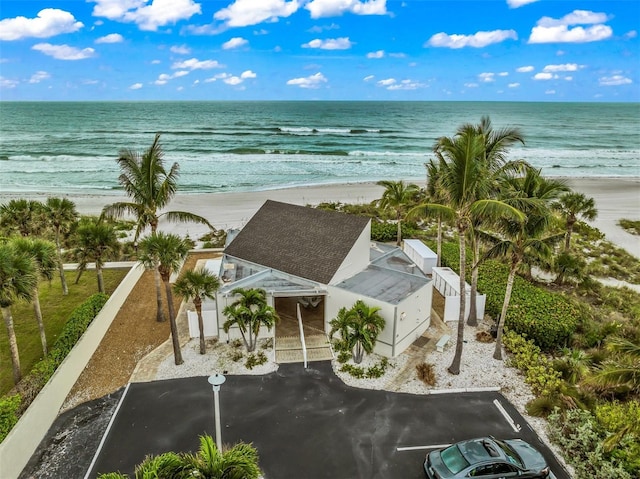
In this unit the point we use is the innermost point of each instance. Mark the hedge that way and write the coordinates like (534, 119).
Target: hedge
(12, 406)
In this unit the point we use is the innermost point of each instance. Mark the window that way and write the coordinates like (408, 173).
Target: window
(453, 459)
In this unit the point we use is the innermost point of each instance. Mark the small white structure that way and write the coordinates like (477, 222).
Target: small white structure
(447, 282)
(420, 254)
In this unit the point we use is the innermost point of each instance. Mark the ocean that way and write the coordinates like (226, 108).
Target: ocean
(71, 147)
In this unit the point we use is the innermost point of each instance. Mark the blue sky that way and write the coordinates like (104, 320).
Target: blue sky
(473, 50)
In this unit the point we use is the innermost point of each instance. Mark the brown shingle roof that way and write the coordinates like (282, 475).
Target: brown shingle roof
(298, 240)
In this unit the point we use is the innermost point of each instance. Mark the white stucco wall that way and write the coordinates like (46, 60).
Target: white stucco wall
(357, 259)
(415, 320)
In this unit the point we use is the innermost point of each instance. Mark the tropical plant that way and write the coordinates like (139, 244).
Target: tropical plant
(22, 216)
(60, 214)
(397, 196)
(468, 182)
(436, 194)
(568, 265)
(96, 242)
(518, 240)
(620, 373)
(166, 253)
(573, 206)
(359, 328)
(249, 312)
(18, 278)
(198, 285)
(151, 188)
(44, 254)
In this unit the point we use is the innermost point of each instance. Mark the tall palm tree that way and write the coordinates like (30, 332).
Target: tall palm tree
(18, 277)
(516, 241)
(166, 252)
(198, 286)
(151, 188)
(573, 206)
(22, 216)
(96, 242)
(436, 194)
(44, 254)
(469, 183)
(398, 196)
(60, 214)
(249, 312)
(359, 328)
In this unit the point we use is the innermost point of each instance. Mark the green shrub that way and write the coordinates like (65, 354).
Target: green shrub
(254, 360)
(236, 355)
(9, 407)
(344, 356)
(373, 372)
(581, 439)
(621, 421)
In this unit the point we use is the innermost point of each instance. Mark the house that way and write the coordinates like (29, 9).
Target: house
(312, 263)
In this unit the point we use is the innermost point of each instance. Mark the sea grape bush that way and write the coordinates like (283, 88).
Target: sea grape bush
(9, 407)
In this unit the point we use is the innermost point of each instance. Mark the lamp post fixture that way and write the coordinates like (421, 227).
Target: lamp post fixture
(216, 381)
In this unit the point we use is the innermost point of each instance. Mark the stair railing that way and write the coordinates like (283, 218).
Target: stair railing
(304, 344)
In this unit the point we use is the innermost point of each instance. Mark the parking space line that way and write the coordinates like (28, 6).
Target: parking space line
(415, 448)
(514, 426)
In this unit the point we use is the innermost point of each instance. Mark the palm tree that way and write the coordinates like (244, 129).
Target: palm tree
(436, 194)
(239, 461)
(359, 328)
(96, 242)
(469, 184)
(517, 240)
(397, 195)
(166, 253)
(621, 372)
(60, 214)
(44, 254)
(151, 188)
(22, 216)
(249, 312)
(573, 206)
(198, 285)
(18, 277)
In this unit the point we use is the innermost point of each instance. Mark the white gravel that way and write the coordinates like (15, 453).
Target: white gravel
(478, 371)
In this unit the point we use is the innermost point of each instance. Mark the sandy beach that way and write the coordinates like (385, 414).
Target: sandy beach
(616, 198)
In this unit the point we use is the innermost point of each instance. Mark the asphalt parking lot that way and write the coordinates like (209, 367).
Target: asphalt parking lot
(306, 424)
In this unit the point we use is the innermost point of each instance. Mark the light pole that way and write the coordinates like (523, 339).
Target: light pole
(216, 381)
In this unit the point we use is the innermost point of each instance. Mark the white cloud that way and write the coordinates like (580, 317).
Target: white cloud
(503, 74)
(551, 30)
(513, 85)
(111, 38)
(235, 42)
(322, 28)
(6, 83)
(242, 13)
(180, 49)
(180, 73)
(550, 92)
(48, 23)
(471, 85)
(519, 3)
(630, 34)
(387, 82)
(219, 76)
(135, 86)
(155, 62)
(232, 80)
(334, 8)
(545, 76)
(525, 69)
(368, 78)
(148, 16)
(477, 40)
(64, 52)
(487, 77)
(195, 64)
(378, 54)
(568, 78)
(342, 43)
(313, 81)
(248, 74)
(39, 76)
(614, 80)
(567, 67)
(163, 78)
(406, 85)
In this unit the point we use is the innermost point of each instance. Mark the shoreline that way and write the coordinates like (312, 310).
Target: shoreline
(616, 198)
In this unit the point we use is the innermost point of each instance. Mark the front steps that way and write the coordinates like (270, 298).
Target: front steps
(289, 349)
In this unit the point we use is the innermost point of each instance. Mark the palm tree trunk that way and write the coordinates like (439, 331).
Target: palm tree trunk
(197, 302)
(100, 279)
(38, 313)
(160, 317)
(177, 353)
(63, 279)
(359, 353)
(457, 358)
(439, 242)
(13, 344)
(399, 234)
(567, 236)
(497, 354)
(473, 311)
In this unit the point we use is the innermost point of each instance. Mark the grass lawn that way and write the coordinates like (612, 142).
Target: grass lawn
(56, 309)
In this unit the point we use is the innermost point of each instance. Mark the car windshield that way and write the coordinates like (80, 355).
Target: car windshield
(453, 459)
(512, 455)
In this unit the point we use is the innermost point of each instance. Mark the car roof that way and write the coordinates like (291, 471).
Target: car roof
(481, 450)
